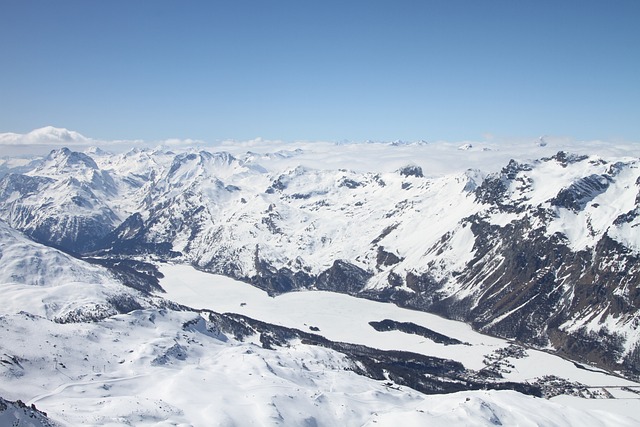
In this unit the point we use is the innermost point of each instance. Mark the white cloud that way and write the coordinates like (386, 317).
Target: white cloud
(47, 135)
(435, 158)
(53, 137)
(42, 140)
(57, 137)
(176, 142)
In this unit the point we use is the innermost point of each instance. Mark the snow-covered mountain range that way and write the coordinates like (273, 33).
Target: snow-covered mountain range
(541, 249)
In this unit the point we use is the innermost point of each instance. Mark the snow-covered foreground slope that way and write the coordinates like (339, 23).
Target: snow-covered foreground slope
(46, 282)
(169, 368)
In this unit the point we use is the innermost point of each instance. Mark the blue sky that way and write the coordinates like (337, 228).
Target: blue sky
(322, 70)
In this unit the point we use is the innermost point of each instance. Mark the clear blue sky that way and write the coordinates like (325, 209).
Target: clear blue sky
(328, 70)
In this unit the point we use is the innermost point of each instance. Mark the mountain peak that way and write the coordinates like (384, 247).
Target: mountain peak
(64, 157)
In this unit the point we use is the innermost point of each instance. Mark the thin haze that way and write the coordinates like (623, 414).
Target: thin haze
(322, 70)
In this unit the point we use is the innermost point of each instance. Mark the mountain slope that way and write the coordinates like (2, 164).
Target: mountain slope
(52, 284)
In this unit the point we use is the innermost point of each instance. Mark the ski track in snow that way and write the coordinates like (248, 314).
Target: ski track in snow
(94, 381)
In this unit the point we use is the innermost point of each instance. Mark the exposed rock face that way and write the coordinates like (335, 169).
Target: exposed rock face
(580, 193)
(278, 281)
(343, 277)
(411, 170)
(17, 413)
(540, 286)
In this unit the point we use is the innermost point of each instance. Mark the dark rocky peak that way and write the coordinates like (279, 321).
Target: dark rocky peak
(350, 179)
(513, 168)
(494, 188)
(130, 238)
(344, 277)
(349, 183)
(411, 170)
(628, 217)
(616, 168)
(131, 227)
(491, 191)
(565, 159)
(278, 184)
(577, 195)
